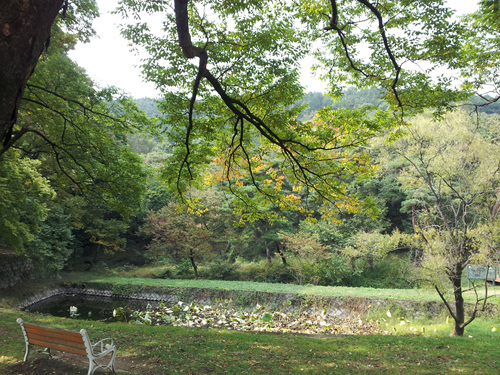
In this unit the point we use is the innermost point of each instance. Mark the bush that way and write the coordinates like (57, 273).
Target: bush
(184, 269)
(220, 270)
(167, 273)
(250, 271)
(279, 274)
(158, 270)
(262, 271)
(391, 272)
(335, 271)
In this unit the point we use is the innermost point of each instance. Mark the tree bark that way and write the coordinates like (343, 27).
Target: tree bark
(24, 32)
(193, 263)
(268, 256)
(456, 279)
(281, 254)
(369, 258)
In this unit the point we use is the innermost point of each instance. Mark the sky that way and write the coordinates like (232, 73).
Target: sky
(109, 61)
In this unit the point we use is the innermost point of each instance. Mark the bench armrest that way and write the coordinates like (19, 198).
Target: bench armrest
(103, 346)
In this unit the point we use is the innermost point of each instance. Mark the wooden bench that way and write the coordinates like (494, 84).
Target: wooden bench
(69, 341)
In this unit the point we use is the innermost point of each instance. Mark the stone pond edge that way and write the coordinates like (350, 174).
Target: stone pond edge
(341, 306)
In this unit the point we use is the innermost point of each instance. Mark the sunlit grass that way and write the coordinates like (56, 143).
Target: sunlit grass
(7, 360)
(143, 272)
(338, 291)
(176, 350)
(437, 326)
(329, 291)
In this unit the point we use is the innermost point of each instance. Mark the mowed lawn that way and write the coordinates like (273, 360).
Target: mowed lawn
(174, 350)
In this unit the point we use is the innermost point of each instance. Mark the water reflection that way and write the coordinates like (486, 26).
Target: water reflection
(89, 307)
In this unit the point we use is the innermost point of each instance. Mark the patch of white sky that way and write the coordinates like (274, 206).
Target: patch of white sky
(109, 60)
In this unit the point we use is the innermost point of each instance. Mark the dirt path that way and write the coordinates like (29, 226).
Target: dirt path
(66, 363)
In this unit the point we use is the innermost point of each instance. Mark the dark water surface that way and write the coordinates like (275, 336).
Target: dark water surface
(88, 307)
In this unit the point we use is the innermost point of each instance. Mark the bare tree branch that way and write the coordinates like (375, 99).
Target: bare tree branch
(334, 25)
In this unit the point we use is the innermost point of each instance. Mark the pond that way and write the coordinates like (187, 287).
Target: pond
(89, 307)
(221, 315)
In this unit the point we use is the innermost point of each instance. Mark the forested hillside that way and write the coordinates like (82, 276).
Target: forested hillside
(350, 99)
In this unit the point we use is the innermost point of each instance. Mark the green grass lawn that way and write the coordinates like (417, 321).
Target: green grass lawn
(328, 291)
(175, 350)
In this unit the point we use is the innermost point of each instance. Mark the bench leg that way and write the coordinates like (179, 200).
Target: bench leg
(93, 365)
(47, 351)
(28, 352)
(112, 362)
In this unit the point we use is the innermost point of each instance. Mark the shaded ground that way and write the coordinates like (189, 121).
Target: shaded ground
(67, 363)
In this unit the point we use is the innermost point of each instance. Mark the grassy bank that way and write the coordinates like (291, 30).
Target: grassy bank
(429, 295)
(327, 291)
(364, 302)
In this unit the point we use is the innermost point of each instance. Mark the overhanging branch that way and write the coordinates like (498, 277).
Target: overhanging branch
(243, 113)
(334, 25)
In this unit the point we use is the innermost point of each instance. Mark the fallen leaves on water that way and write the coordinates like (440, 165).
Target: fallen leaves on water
(257, 319)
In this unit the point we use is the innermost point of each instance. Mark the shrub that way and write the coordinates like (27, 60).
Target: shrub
(219, 270)
(335, 271)
(184, 269)
(391, 272)
(328, 272)
(279, 274)
(250, 271)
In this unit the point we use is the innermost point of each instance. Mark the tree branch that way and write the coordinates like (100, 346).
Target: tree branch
(453, 315)
(240, 109)
(333, 25)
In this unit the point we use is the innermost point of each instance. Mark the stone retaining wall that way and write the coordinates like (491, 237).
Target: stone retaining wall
(338, 306)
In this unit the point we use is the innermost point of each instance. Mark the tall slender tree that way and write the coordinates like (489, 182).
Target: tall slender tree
(453, 178)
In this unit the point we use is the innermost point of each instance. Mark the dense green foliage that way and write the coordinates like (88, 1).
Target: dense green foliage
(70, 181)
(24, 196)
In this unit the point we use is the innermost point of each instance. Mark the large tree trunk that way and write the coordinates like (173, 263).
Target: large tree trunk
(24, 33)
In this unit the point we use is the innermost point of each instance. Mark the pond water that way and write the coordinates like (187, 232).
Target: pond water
(88, 307)
(220, 315)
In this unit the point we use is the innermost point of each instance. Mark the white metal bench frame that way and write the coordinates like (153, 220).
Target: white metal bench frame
(94, 352)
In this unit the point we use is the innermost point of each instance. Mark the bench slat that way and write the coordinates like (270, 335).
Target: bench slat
(34, 327)
(56, 340)
(56, 334)
(64, 348)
